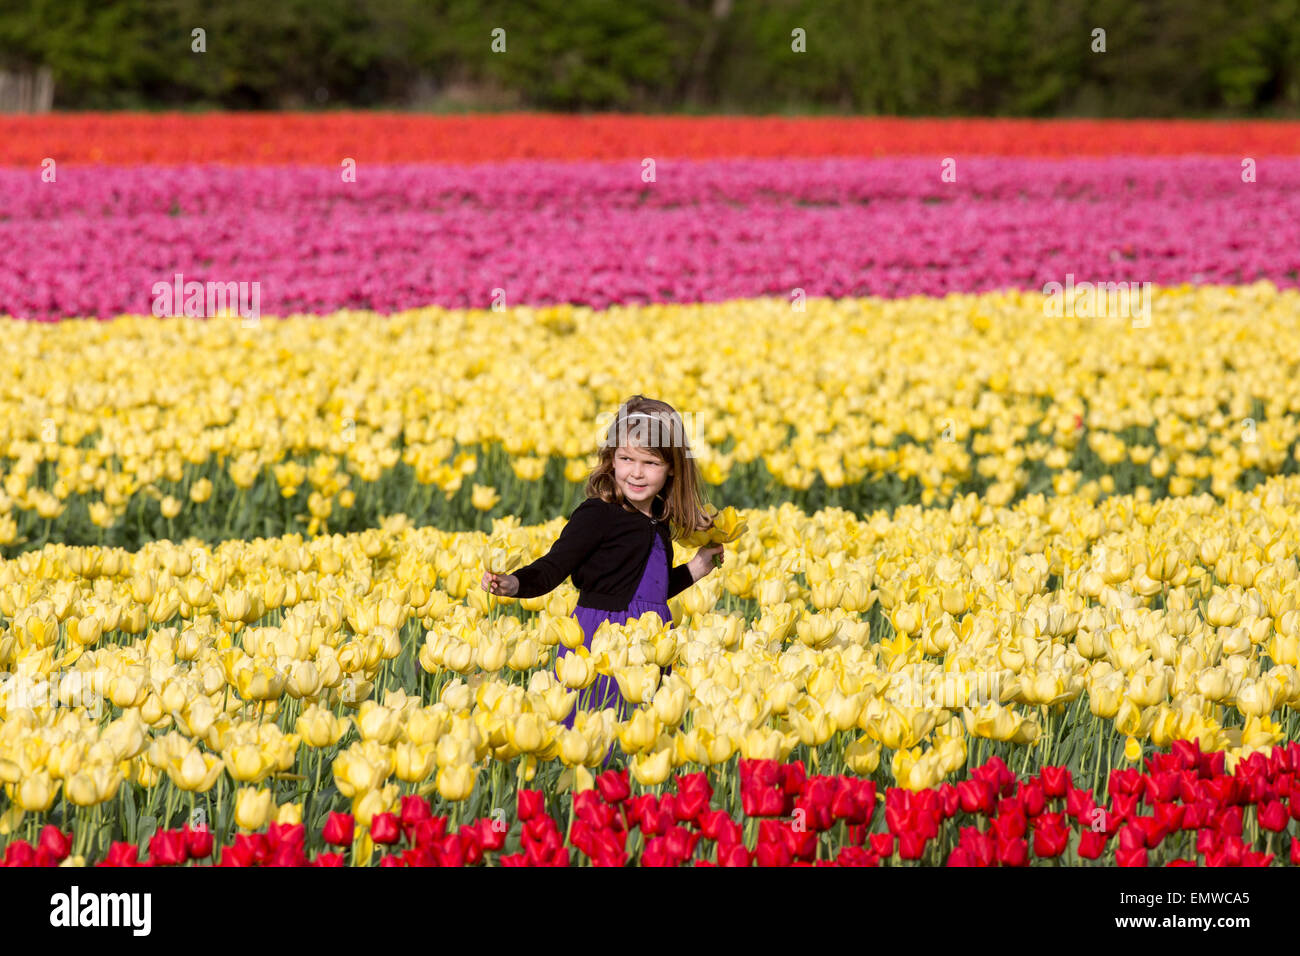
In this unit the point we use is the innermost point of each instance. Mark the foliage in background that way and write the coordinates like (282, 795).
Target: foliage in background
(925, 57)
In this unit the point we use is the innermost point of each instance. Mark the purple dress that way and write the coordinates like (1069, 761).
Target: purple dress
(651, 595)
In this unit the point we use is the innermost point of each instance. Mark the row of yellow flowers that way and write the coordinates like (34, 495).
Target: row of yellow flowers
(944, 393)
(904, 647)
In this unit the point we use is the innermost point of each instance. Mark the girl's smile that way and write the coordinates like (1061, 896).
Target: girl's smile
(639, 475)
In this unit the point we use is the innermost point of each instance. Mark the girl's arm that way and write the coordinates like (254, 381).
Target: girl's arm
(577, 539)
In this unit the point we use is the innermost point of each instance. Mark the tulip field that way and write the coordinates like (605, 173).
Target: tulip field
(1004, 584)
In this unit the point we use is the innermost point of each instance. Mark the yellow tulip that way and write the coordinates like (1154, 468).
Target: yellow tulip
(652, 769)
(36, 792)
(319, 727)
(575, 671)
(252, 808)
(456, 783)
(414, 762)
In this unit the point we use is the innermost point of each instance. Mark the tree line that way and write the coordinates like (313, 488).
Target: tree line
(1150, 58)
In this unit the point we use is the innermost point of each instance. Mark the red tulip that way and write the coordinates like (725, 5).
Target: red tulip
(530, 803)
(1273, 815)
(168, 848)
(418, 856)
(1187, 753)
(691, 804)
(996, 772)
(1051, 840)
(1211, 764)
(1153, 831)
(927, 803)
(976, 796)
(1222, 790)
(328, 859)
(22, 853)
(882, 844)
(539, 829)
(288, 853)
(1056, 781)
(772, 854)
(733, 854)
(1080, 804)
(1123, 806)
(1032, 797)
(1163, 787)
(1228, 821)
(1181, 862)
(1126, 781)
(428, 832)
(856, 856)
(1170, 816)
(1091, 844)
(1009, 826)
(898, 820)
(949, 799)
(491, 833)
(1208, 841)
(759, 773)
(339, 829)
(1295, 850)
(255, 846)
(711, 823)
(451, 851)
(680, 842)
(1191, 790)
(607, 853)
(793, 777)
(767, 802)
(122, 854)
(198, 841)
(983, 847)
(1133, 857)
(391, 860)
(295, 833)
(911, 845)
(414, 809)
(694, 783)
(54, 842)
(636, 807)
(613, 786)
(1014, 852)
(384, 828)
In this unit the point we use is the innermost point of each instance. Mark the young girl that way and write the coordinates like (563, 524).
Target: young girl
(644, 492)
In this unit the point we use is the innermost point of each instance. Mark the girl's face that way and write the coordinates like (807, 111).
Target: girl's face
(639, 474)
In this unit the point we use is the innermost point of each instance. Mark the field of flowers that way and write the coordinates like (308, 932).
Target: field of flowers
(1011, 587)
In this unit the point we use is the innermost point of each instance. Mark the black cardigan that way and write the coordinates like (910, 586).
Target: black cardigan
(605, 547)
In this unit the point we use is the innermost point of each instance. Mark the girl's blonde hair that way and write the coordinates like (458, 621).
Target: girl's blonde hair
(662, 434)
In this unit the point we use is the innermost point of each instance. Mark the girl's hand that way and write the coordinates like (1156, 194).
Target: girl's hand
(704, 560)
(502, 585)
